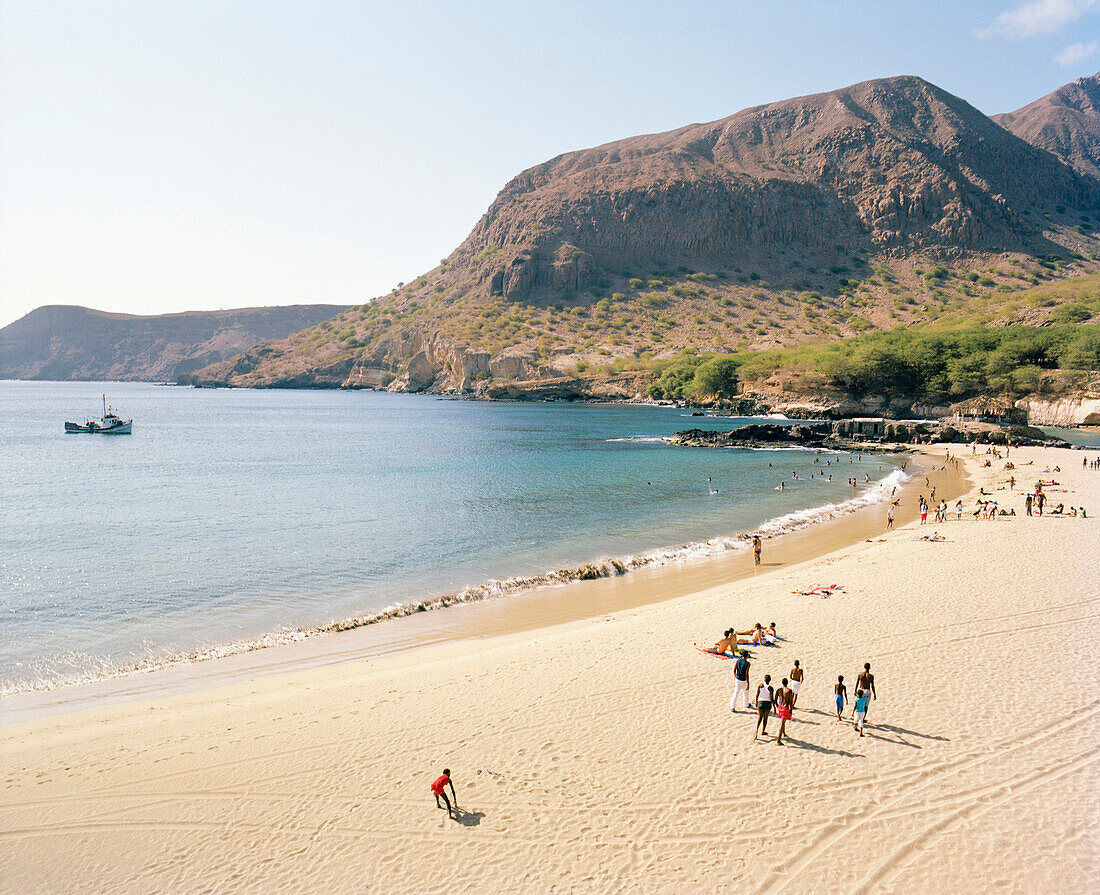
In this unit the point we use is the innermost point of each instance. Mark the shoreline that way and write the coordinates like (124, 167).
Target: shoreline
(317, 779)
(606, 586)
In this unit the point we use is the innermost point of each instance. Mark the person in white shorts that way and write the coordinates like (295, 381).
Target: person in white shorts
(859, 716)
(796, 681)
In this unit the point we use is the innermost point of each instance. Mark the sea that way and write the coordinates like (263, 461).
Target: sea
(232, 519)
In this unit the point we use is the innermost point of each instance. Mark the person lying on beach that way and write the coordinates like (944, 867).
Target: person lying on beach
(439, 791)
(820, 590)
(935, 536)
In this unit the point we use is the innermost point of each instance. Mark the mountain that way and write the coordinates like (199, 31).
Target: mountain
(888, 202)
(69, 342)
(1065, 122)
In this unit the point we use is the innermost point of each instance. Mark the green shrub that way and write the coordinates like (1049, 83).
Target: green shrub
(1071, 314)
(716, 377)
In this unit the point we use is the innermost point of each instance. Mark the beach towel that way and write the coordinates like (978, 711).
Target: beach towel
(711, 651)
(822, 591)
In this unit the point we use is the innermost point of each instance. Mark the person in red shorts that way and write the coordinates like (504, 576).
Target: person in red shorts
(439, 789)
(784, 703)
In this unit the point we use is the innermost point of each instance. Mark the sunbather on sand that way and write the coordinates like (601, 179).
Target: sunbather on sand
(728, 644)
(819, 591)
(755, 634)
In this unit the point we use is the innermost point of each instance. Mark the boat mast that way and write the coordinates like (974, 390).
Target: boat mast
(104, 404)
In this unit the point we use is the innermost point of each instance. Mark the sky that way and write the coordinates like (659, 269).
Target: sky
(168, 156)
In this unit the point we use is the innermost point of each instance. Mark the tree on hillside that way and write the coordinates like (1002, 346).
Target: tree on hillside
(717, 378)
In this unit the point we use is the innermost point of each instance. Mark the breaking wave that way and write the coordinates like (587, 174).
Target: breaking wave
(101, 668)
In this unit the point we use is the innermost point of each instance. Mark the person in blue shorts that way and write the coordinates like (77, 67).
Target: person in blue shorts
(841, 695)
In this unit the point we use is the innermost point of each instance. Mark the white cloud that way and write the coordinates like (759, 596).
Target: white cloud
(1074, 53)
(1036, 17)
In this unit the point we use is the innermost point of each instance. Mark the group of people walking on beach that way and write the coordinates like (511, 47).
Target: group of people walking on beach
(782, 699)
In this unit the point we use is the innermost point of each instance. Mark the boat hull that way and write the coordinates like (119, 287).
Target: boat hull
(95, 428)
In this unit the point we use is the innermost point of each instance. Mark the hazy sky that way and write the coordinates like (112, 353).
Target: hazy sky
(159, 156)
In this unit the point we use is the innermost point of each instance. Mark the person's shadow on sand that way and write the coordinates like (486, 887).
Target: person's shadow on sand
(904, 732)
(467, 818)
(813, 747)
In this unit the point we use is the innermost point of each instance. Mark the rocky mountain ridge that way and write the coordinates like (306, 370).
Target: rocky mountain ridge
(887, 203)
(63, 342)
(1065, 122)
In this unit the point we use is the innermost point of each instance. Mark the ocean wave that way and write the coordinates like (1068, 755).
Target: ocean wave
(880, 491)
(100, 668)
(642, 439)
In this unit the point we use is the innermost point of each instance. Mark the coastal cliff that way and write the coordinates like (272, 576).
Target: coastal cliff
(1066, 412)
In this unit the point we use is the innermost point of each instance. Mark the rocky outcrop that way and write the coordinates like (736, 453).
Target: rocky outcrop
(1065, 122)
(1067, 412)
(63, 342)
(865, 434)
(827, 403)
(613, 387)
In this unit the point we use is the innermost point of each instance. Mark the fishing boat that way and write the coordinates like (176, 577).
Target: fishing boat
(108, 424)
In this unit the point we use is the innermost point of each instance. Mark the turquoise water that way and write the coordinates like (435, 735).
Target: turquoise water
(1087, 438)
(229, 515)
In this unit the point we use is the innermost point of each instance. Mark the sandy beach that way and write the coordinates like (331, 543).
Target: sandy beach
(599, 754)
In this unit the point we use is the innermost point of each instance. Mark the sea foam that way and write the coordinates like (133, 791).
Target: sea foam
(100, 668)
